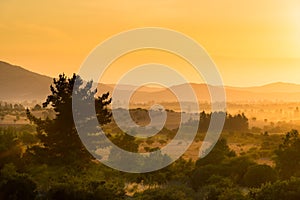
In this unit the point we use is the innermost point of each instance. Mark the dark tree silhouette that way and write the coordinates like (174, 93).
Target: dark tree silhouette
(257, 175)
(60, 142)
(219, 152)
(287, 156)
(37, 107)
(237, 122)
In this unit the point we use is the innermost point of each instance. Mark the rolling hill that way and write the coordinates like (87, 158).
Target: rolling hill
(19, 84)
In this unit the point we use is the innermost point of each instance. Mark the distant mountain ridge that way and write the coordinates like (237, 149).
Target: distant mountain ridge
(272, 88)
(263, 93)
(19, 84)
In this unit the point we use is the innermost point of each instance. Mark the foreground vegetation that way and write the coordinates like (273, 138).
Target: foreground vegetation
(46, 160)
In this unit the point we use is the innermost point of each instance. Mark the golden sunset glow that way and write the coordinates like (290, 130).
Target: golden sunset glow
(252, 42)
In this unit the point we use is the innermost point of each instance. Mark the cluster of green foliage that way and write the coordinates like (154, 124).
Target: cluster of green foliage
(52, 163)
(288, 159)
(54, 133)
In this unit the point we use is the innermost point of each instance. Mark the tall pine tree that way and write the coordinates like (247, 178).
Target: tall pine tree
(59, 140)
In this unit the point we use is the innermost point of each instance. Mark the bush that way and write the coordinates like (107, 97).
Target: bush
(14, 185)
(218, 187)
(259, 174)
(287, 190)
(287, 156)
(91, 190)
(174, 192)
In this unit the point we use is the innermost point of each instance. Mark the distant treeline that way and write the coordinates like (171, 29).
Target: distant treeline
(238, 122)
(4, 106)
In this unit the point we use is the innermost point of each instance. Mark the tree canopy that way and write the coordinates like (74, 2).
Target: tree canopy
(59, 139)
(287, 156)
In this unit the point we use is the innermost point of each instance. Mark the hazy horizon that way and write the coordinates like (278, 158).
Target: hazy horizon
(154, 85)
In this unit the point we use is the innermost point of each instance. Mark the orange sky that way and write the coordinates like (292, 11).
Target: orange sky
(252, 42)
